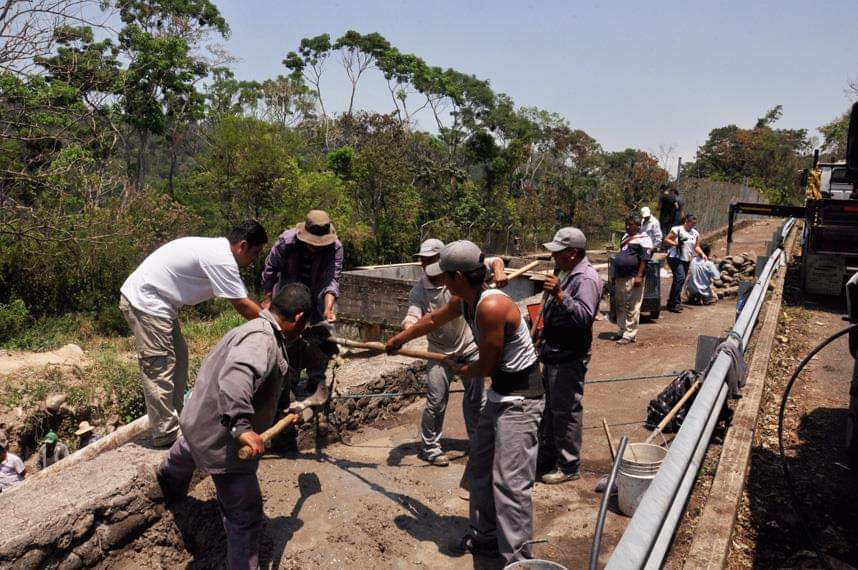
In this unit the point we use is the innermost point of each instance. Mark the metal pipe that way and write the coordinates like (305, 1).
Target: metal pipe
(603, 507)
(645, 542)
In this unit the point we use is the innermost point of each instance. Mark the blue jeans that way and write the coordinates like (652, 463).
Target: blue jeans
(680, 271)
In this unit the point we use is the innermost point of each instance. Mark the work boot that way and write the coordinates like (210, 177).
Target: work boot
(439, 460)
(470, 545)
(557, 476)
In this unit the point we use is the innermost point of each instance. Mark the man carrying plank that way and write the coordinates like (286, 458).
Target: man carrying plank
(503, 460)
(234, 400)
(454, 340)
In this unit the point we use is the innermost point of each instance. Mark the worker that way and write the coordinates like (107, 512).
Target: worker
(86, 434)
(51, 451)
(671, 208)
(186, 271)
(651, 227)
(682, 242)
(454, 339)
(701, 272)
(630, 277)
(503, 461)
(309, 253)
(12, 470)
(565, 341)
(233, 402)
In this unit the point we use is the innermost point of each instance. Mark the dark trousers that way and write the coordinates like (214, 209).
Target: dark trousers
(238, 497)
(303, 356)
(563, 421)
(680, 271)
(503, 470)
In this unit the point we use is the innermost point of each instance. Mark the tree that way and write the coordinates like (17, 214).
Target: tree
(358, 53)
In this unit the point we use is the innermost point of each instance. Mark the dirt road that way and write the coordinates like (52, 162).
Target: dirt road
(371, 503)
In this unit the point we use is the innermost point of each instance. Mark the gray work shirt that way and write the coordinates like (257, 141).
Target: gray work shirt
(239, 384)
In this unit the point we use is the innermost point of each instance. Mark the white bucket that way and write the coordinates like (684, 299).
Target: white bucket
(534, 564)
(638, 467)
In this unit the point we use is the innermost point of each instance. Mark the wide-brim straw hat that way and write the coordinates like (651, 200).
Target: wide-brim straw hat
(84, 428)
(317, 229)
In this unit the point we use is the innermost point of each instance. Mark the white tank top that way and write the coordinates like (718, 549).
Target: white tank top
(518, 352)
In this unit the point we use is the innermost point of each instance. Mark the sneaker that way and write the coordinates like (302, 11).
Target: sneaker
(675, 309)
(470, 545)
(625, 341)
(558, 476)
(439, 460)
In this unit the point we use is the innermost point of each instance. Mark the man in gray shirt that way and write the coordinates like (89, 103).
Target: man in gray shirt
(453, 339)
(234, 400)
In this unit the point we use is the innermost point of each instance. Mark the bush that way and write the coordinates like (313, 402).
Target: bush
(14, 317)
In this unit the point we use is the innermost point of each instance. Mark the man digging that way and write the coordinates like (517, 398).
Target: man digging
(503, 460)
(233, 402)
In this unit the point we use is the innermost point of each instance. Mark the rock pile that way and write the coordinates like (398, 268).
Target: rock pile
(734, 269)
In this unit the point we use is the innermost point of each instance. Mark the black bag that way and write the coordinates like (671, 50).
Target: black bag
(661, 405)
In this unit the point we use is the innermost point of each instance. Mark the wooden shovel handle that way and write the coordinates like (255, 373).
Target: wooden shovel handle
(675, 410)
(379, 347)
(284, 422)
(518, 272)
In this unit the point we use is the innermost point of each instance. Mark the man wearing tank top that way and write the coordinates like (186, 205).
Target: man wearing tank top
(567, 335)
(503, 459)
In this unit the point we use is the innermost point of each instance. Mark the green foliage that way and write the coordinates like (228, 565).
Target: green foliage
(13, 319)
(835, 134)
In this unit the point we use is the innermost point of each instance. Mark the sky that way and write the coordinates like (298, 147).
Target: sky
(656, 75)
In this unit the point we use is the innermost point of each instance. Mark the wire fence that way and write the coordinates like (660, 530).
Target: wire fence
(710, 200)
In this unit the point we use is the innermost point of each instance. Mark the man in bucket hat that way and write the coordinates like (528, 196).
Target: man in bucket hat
(309, 253)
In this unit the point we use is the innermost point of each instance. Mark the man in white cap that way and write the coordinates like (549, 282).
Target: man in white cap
(503, 459)
(651, 227)
(453, 339)
(310, 253)
(567, 336)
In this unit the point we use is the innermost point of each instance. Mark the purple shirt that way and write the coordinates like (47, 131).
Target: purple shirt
(290, 261)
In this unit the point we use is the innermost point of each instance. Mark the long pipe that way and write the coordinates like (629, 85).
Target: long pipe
(603, 507)
(645, 541)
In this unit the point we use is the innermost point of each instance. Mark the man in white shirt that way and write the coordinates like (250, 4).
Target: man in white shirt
(186, 271)
(700, 276)
(12, 469)
(453, 339)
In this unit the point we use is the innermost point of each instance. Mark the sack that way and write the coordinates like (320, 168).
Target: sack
(661, 405)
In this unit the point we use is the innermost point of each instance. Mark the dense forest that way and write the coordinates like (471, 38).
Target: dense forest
(121, 127)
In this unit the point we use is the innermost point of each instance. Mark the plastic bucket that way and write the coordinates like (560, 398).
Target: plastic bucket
(535, 564)
(638, 467)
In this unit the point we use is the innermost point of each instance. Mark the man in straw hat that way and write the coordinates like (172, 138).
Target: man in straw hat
(86, 434)
(309, 253)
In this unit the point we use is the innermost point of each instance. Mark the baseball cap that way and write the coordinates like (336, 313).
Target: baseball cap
(645, 212)
(51, 437)
(566, 238)
(430, 248)
(461, 255)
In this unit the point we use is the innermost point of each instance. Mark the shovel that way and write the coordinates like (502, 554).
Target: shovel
(379, 347)
(302, 410)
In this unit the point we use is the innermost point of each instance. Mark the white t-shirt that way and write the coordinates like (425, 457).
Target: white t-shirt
(690, 242)
(11, 469)
(182, 272)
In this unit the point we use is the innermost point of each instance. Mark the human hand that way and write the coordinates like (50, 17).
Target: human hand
(393, 345)
(638, 280)
(552, 286)
(253, 442)
(330, 315)
(454, 364)
(500, 278)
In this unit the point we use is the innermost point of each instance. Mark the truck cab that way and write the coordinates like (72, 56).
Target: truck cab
(835, 182)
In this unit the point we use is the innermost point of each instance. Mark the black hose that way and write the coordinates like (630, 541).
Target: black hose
(797, 504)
(603, 508)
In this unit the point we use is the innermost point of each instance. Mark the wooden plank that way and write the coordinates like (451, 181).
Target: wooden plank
(714, 529)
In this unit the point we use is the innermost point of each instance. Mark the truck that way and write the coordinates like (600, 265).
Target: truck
(829, 240)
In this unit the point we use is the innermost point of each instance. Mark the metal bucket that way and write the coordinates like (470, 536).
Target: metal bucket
(535, 564)
(638, 467)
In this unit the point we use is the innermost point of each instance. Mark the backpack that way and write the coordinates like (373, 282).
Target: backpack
(661, 405)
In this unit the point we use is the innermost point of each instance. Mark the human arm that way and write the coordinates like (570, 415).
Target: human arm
(496, 266)
(581, 303)
(39, 463)
(247, 307)
(639, 276)
(671, 239)
(247, 363)
(331, 280)
(699, 251)
(275, 264)
(426, 324)
(329, 313)
(415, 307)
(492, 316)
